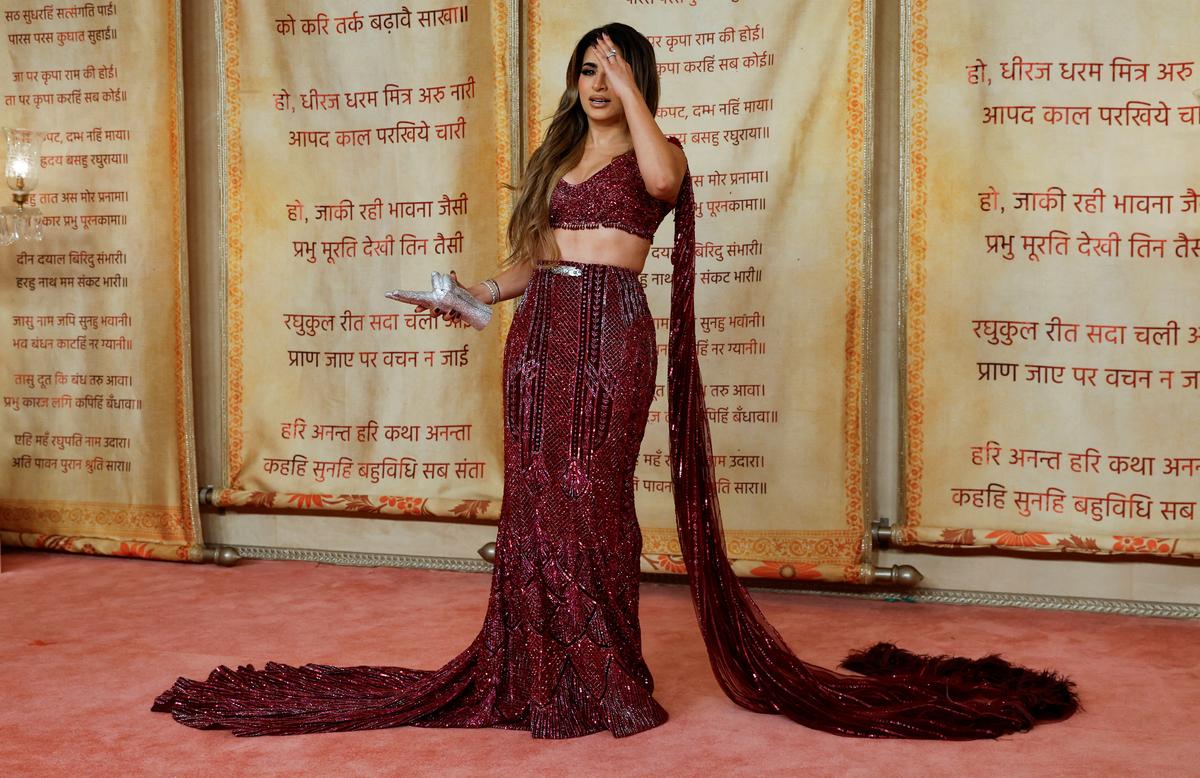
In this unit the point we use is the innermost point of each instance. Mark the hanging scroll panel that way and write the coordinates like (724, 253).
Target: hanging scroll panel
(775, 135)
(366, 143)
(96, 455)
(1052, 383)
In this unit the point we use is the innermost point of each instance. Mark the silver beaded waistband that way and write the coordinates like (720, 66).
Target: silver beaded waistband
(565, 270)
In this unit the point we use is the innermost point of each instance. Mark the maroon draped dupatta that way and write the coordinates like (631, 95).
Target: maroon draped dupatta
(899, 694)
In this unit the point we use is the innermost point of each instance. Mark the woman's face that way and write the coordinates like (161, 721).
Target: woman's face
(595, 94)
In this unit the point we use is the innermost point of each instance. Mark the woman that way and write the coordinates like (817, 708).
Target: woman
(559, 653)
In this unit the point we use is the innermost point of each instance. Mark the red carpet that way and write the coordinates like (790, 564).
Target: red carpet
(87, 642)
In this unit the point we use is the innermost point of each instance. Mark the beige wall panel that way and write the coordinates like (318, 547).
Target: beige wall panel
(1052, 392)
(344, 180)
(778, 160)
(97, 452)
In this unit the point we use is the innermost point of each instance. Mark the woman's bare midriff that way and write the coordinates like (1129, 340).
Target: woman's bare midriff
(603, 246)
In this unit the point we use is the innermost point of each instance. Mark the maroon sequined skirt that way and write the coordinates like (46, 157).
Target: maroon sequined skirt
(559, 653)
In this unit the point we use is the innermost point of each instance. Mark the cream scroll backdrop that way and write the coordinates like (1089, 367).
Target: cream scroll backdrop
(1053, 250)
(366, 143)
(775, 135)
(96, 451)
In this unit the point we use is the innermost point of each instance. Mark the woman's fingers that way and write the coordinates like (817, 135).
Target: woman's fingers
(615, 68)
(609, 47)
(438, 313)
(599, 55)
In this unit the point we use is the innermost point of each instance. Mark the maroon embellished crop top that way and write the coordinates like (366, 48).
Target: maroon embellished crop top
(615, 196)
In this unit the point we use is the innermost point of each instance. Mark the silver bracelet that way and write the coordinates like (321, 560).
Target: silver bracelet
(493, 289)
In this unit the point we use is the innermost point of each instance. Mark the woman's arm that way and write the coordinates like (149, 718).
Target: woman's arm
(512, 282)
(661, 163)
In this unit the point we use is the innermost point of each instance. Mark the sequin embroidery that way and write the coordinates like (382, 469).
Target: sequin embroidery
(614, 196)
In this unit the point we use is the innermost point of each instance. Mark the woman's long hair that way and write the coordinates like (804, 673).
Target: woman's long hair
(529, 235)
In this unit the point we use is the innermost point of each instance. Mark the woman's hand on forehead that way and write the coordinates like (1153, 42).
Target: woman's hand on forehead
(616, 69)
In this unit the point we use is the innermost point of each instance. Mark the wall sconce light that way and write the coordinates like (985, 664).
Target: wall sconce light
(22, 165)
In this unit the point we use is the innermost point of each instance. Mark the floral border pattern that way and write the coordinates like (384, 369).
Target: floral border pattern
(1048, 542)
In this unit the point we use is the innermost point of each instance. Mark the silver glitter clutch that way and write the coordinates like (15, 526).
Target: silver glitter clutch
(447, 295)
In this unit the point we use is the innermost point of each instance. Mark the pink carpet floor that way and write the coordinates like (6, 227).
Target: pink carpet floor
(87, 642)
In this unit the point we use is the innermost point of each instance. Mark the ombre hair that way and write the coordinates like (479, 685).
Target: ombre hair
(529, 235)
